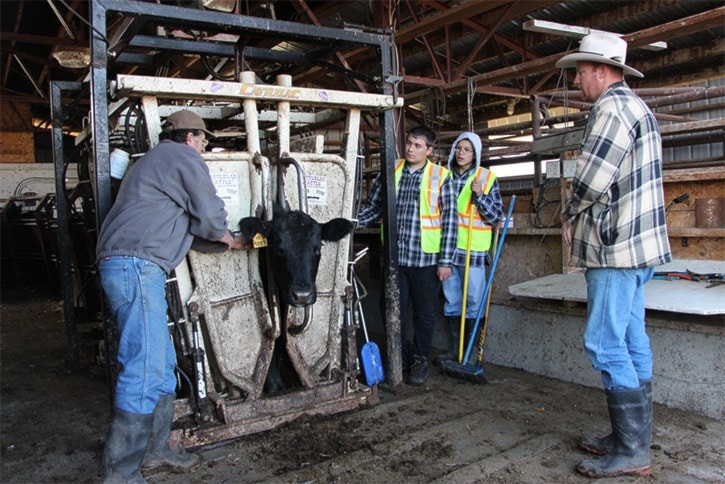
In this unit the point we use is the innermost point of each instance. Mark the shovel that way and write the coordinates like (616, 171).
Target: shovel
(370, 353)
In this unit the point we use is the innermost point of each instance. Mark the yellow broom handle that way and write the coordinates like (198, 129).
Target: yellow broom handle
(462, 332)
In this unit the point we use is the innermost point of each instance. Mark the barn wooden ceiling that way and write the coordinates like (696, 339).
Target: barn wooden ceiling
(458, 60)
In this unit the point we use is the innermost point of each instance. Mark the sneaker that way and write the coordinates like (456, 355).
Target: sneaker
(419, 370)
(450, 355)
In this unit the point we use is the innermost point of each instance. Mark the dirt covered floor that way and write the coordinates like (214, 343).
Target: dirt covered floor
(518, 428)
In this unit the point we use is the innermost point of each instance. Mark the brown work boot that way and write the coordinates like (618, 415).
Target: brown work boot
(419, 370)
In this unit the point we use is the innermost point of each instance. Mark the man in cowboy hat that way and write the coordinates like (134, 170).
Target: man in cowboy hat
(614, 222)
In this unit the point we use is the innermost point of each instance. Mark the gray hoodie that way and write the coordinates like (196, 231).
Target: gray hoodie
(475, 141)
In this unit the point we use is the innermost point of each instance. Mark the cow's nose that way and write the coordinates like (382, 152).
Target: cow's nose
(302, 297)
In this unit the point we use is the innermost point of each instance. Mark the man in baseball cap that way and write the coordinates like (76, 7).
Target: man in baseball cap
(185, 119)
(166, 200)
(614, 223)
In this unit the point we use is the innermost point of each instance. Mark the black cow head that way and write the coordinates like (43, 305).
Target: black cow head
(294, 240)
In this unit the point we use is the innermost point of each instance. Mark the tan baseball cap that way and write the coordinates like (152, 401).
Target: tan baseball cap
(185, 119)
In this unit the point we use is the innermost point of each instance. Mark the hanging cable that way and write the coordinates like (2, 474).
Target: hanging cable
(434, 107)
(471, 85)
(76, 14)
(562, 81)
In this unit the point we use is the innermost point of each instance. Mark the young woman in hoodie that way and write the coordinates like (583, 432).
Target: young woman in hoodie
(476, 189)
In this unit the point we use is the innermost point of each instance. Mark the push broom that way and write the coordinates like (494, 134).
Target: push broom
(462, 369)
(466, 271)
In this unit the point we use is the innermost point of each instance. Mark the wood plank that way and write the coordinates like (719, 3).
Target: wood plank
(693, 126)
(17, 147)
(695, 232)
(699, 174)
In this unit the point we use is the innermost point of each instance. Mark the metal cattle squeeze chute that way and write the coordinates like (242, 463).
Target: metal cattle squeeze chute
(230, 327)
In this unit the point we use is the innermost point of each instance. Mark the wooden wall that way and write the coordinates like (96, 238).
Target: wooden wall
(688, 238)
(17, 143)
(534, 245)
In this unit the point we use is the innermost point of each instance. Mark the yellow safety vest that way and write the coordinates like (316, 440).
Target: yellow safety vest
(430, 214)
(481, 232)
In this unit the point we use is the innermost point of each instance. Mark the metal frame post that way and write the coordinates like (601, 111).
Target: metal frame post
(61, 203)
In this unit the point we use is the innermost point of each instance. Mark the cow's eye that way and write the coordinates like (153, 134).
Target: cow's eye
(318, 251)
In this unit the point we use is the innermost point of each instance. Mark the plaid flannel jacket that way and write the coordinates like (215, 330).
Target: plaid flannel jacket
(617, 205)
(410, 253)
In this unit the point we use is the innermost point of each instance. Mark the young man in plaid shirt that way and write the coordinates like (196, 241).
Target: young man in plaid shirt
(427, 229)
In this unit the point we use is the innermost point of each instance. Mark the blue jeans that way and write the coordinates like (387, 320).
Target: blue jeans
(615, 338)
(453, 291)
(136, 296)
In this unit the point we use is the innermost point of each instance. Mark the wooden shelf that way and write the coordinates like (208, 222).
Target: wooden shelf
(694, 232)
(690, 175)
(534, 231)
(671, 231)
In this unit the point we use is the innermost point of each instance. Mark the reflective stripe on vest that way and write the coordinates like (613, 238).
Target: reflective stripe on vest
(481, 240)
(430, 214)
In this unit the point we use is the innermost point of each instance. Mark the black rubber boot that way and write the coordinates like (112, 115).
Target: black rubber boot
(470, 323)
(454, 325)
(126, 446)
(274, 383)
(159, 456)
(603, 445)
(630, 412)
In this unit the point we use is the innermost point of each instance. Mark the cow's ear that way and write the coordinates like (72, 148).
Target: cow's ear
(251, 226)
(336, 229)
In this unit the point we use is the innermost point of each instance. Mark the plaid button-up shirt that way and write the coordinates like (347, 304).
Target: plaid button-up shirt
(490, 206)
(410, 253)
(617, 205)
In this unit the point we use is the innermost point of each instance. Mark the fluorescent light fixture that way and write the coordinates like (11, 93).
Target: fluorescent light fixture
(73, 59)
(546, 27)
(220, 5)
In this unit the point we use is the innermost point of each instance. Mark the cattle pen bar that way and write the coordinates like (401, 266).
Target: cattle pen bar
(212, 90)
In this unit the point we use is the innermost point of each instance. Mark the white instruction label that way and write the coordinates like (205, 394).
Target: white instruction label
(227, 186)
(316, 189)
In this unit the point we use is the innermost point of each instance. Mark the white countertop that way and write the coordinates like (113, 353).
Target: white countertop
(679, 296)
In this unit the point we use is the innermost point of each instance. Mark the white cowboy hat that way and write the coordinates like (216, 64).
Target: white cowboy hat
(601, 47)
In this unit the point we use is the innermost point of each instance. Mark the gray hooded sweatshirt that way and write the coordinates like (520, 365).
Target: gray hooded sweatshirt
(476, 142)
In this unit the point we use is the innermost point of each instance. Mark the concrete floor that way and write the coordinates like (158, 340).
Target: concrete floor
(518, 428)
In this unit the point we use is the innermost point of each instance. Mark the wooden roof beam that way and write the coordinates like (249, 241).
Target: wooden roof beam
(449, 16)
(482, 41)
(684, 26)
(431, 51)
(714, 18)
